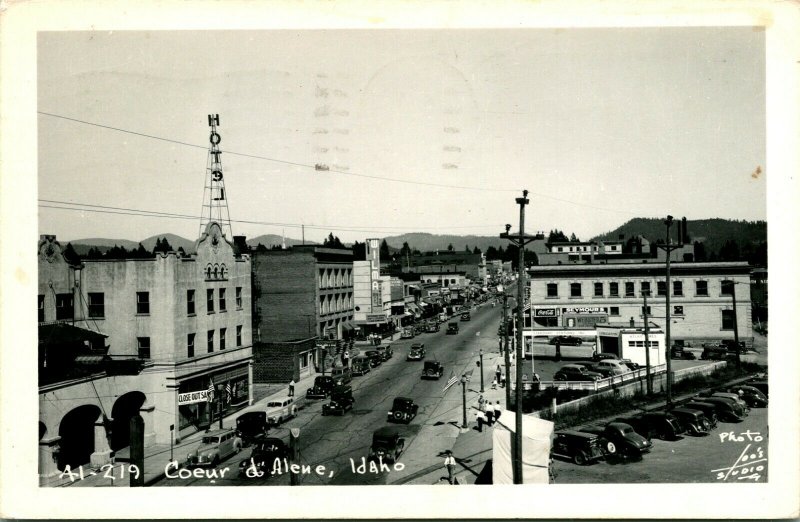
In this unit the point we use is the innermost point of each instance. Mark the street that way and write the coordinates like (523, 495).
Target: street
(340, 443)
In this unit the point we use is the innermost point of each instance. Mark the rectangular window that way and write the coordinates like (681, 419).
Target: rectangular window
(598, 289)
(210, 300)
(726, 287)
(41, 308)
(64, 307)
(144, 347)
(552, 289)
(222, 300)
(613, 289)
(677, 288)
(677, 310)
(646, 288)
(575, 290)
(701, 288)
(614, 310)
(629, 290)
(210, 341)
(239, 335)
(646, 310)
(238, 297)
(222, 338)
(190, 302)
(143, 303)
(97, 304)
(190, 345)
(662, 288)
(727, 319)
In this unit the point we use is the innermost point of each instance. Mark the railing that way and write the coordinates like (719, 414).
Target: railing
(602, 384)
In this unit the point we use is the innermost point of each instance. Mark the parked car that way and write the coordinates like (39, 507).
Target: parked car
(262, 457)
(323, 384)
(604, 356)
(452, 328)
(761, 384)
(582, 448)
(709, 410)
(566, 340)
(341, 375)
(654, 424)
(215, 447)
(374, 357)
(714, 353)
(385, 352)
(281, 409)
(387, 445)
(416, 353)
(695, 420)
(432, 370)
(630, 365)
(730, 345)
(341, 401)
(621, 439)
(407, 333)
(465, 316)
(574, 372)
(727, 410)
(360, 365)
(754, 397)
(734, 397)
(432, 327)
(610, 367)
(403, 410)
(251, 425)
(678, 352)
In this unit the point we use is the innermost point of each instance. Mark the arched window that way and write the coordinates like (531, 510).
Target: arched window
(208, 271)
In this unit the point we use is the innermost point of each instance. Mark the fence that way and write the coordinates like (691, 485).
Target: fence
(608, 382)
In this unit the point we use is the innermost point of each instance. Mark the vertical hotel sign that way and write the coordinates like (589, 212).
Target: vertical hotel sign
(374, 258)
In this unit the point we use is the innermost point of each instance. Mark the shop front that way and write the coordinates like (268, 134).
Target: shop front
(202, 398)
(583, 316)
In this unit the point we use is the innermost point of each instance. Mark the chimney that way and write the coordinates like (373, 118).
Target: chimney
(240, 244)
(684, 231)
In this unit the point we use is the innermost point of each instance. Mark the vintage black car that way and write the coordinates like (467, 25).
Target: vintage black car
(262, 457)
(432, 370)
(323, 384)
(654, 424)
(760, 383)
(360, 365)
(403, 410)
(251, 425)
(727, 410)
(387, 445)
(730, 345)
(574, 372)
(630, 364)
(341, 401)
(679, 353)
(416, 353)
(754, 397)
(603, 355)
(375, 358)
(385, 352)
(708, 409)
(452, 328)
(566, 340)
(432, 327)
(695, 420)
(581, 447)
(714, 353)
(341, 375)
(621, 439)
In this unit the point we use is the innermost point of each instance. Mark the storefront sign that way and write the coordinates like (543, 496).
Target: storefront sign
(192, 397)
(374, 258)
(376, 318)
(585, 310)
(545, 312)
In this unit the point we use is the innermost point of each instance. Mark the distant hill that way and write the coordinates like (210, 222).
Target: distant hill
(82, 246)
(713, 233)
(175, 242)
(425, 242)
(273, 239)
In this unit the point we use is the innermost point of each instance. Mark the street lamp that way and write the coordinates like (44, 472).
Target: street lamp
(480, 354)
(464, 400)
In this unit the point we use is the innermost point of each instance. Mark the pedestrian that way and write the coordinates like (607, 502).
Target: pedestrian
(497, 411)
(291, 388)
(481, 403)
(346, 359)
(450, 466)
(489, 414)
(498, 372)
(494, 383)
(500, 345)
(480, 419)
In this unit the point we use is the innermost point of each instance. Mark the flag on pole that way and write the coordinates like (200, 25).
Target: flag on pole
(228, 391)
(210, 393)
(451, 381)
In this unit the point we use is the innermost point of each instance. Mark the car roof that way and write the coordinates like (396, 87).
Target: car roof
(571, 366)
(686, 410)
(403, 399)
(217, 433)
(576, 433)
(618, 425)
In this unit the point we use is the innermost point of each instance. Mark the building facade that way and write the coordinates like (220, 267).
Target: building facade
(578, 297)
(185, 319)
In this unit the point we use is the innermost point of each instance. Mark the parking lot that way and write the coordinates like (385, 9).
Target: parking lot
(732, 452)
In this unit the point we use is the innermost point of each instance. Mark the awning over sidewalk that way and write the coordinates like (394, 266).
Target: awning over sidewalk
(347, 325)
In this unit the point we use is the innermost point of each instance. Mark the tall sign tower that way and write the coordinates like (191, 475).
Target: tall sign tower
(215, 201)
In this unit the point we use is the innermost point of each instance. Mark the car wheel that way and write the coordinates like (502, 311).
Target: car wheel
(663, 435)
(579, 342)
(215, 462)
(237, 448)
(611, 448)
(280, 420)
(579, 458)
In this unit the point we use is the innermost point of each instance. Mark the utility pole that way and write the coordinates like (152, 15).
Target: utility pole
(480, 354)
(221, 397)
(294, 444)
(505, 349)
(303, 228)
(668, 248)
(464, 400)
(647, 344)
(520, 240)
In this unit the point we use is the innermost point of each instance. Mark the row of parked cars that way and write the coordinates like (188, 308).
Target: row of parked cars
(630, 436)
(601, 366)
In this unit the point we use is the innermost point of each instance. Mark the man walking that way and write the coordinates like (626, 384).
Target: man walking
(450, 465)
(291, 388)
(480, 419)
(498, 372)
(497, 411)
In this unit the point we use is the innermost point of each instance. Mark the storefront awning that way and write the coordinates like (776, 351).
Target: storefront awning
(347, 325)
(90, 359)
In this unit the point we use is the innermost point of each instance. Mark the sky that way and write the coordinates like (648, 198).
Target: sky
(600, 125)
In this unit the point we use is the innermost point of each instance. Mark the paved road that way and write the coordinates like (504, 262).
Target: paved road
(691, 459)
(339, 443)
